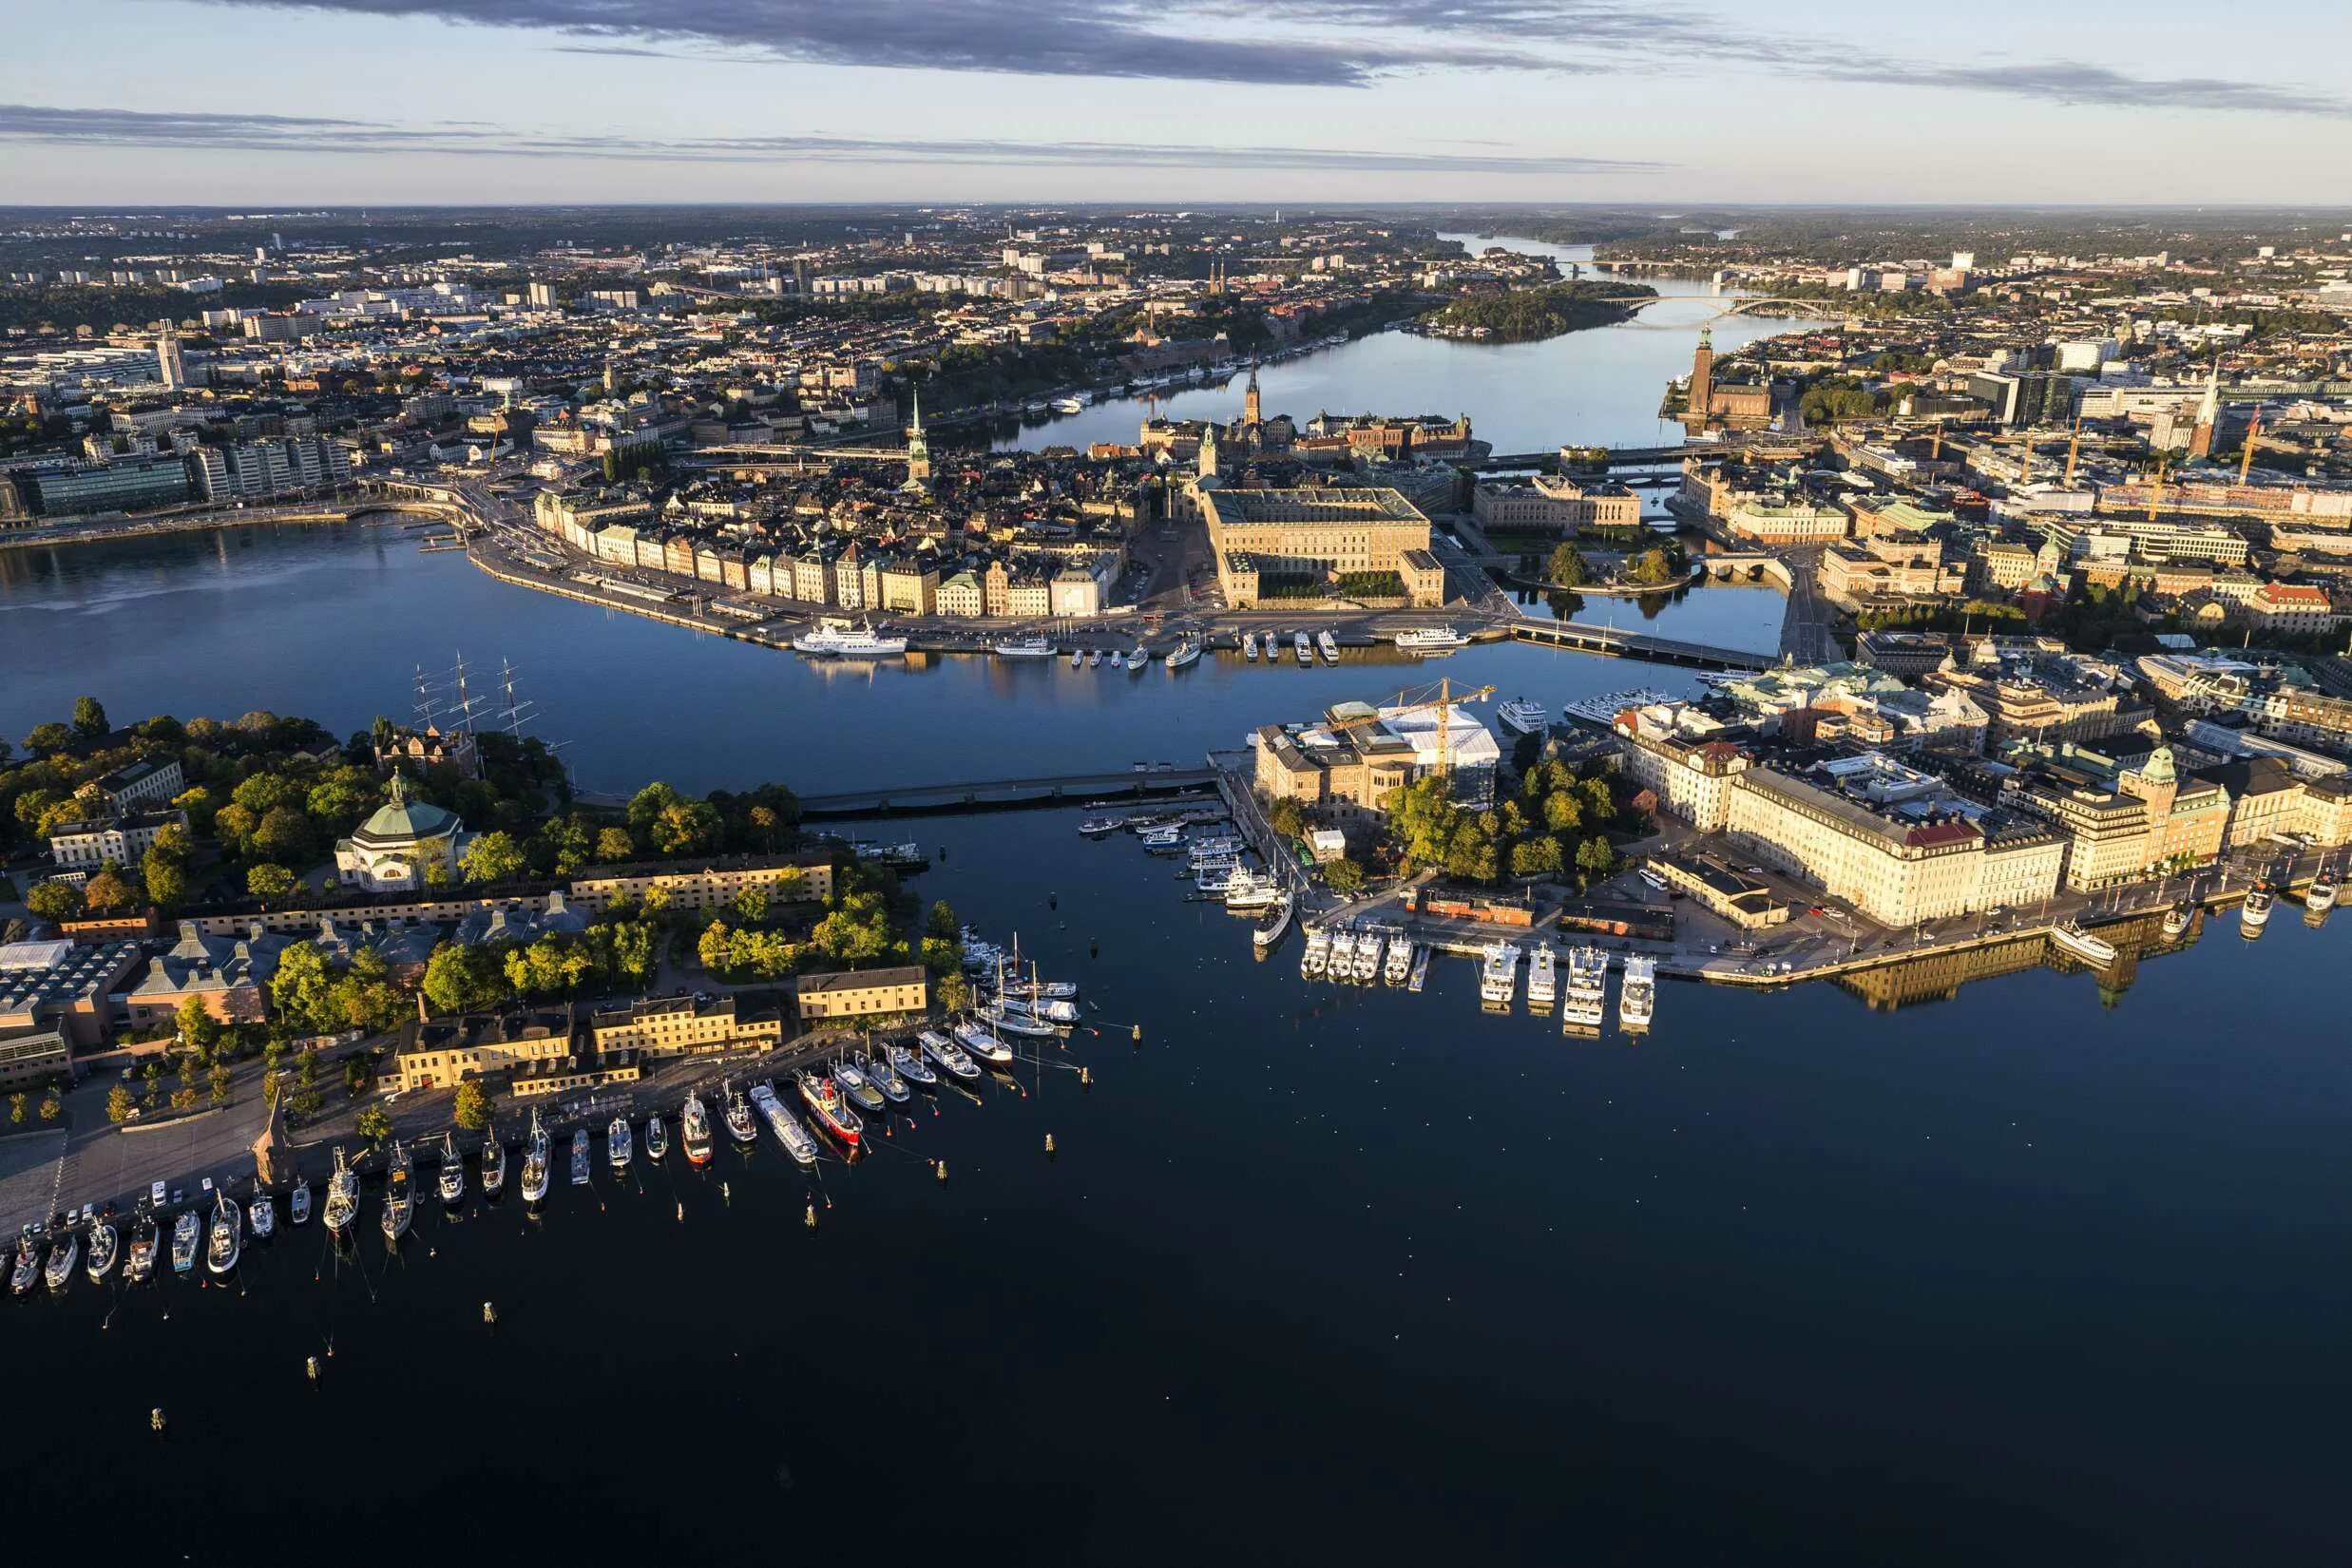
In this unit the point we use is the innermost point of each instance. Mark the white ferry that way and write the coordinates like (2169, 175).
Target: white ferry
(1024, 648)
(1588, 988)
(1499, 977)
(1523, 716)
(1638, 997)
(1542, 987)
(1329, 645)
(1182, 654)
(838, 639)
(1250, 892)
(2072, 938)
(1312, 962)
(1427, 640)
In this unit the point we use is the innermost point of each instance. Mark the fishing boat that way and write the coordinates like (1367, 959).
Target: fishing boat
(2255, 912)
(227, 1243)
(982, 1041)
(451, 1178)
(1328, 646)
(1400, 963)
(580, 1157)
(884, 1077)
(186, 1234)
(1543, 989)
(1248, 646)
(298, 1202)
(63, 1253)
(493, 1165)
(26, 1271)
(841, 639)
(1303, 649)
(1587, 1002)
(535, 1162)
(399, 1195)
(139, 1263)
(1316, 958)
(1498, 974)
(855, 1084)
(106, 1250)
(1425, 642)
(822, 1095)
(262, 1215)
(2070, 937)
(1270, 930)
(1186, 652)
(1023, 647)
(948, 1054)
(1421, 970)
(1522, 717)
(739, 1115)
(786, 1127)
(910, 1064)
(620, 1146)
(1638, 997)
(694, 1128)
(342, 1197)
(2176, 922)
(657, 1138)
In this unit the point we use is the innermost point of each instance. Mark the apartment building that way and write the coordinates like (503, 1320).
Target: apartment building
(86, 846)
(864, 993)
(680, 1025)
(802, 878)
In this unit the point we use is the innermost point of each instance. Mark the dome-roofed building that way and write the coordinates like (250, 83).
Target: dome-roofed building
(391, 851)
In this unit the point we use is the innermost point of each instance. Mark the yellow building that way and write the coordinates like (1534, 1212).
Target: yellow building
(438, 1053)
(802, 878)
(2149, 817)
(679, 1025)
(1305, 533)
(864, 993)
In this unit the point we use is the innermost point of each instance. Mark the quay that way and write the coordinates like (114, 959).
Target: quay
(1140, 781)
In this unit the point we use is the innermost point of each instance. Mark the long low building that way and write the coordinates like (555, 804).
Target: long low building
(864, 993)
(1261, 538)
(681, 1026)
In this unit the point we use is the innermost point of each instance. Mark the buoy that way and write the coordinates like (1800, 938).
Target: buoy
(941, 1168)
(1086, 1077)
(1137, 1036)
(311, 1369)
(155, 1418)
(489, 1313)
(681, 1214)
(1094, 948)
(1049, 1143)
(812, 1217)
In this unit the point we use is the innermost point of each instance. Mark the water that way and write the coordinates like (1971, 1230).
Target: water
(1331, 1274)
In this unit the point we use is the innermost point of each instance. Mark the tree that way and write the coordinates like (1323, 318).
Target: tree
(52, 1107)
(17, 1102)
(614, 845)
(268, 881)
(1596, 858)
(151, 1076)
(651, 802)
(1535, 857)
(1567, 567)
(166, 877)
(473, 1109)
(1343, 877)
(184, 1100)
(494, 856)
(48, 740)
(109, 891)
(120, 1103)
(1286, 818)
(58, 901)
(763, 820)
(373, 1124)
(89, 719)
(199, 1031)
(460, 978)
(712, 948)
(218, 1082)
(751, 903)
(687, 827)
(283, 833)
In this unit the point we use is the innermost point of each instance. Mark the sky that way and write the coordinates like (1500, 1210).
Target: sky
(400, 102)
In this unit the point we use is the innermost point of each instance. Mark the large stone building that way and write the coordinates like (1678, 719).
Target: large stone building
(86, 846)
(399, 847)
(681, 1026)
(1677, 754)
(1348, 765)
(2122, 824)
(807, 878)
(1310, 536)
(1712, 403)
(864, 993)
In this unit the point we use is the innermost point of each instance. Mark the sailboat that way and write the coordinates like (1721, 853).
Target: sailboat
(342, 1197)
(694, 1124)
(399, 1195)
(535, 1171)
(982, 1041)
(452, 1174)
(910, 1064)
(885, 1077)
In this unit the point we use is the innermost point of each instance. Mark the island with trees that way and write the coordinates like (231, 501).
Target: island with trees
(1526, 315)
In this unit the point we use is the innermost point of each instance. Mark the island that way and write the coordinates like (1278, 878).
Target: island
(1526, 316)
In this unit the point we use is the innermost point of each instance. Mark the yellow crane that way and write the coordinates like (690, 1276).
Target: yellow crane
(1442, 696)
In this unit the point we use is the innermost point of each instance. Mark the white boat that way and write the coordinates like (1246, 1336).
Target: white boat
(1601, 711)
(535, 1162)
(1421, 971)
(63, 1253)
(262, 1215)
(1101, 827)
(1543, 989)
(1371, 943)
(1093, 658)
(1017, 1020)
(982, 1041)
(2255, 912)
(1276, 922)
(619, 1144)
(1249, 891)
(948, 1054)
(694, 1124)
(738, 1118)
(909, 1063)
(1217, 846)
(657, 1138)
(1317, 956)
(228, 1242)
(1164, 840)
(798, 1140)
(1399, 967)
(25, 1272)
(1426, 640)
(342, 1197)
(1303, 649)
(1214, 877)
(186, 1234)
(1248, 646)
(835, 638)
(298, 1202)
(2176, 922)
(2071, 937)
(1138, 660)
(1638, 997)
(493, 1165)
(1499, 975)
(1587, 1001)
(2320, 895)
(1329, 645)
(451, 1176)
(1023, 647)
(1522, 717)
(399, 1195)
(1068, 405)
(105, 1247)
(139, 1262)
(884, 1077)
(1182, 654)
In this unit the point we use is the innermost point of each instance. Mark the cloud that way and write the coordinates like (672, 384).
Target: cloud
(287, 133)
(2073, 83)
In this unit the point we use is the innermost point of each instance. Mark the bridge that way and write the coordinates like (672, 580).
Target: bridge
(794, 455)
(1603, 458)
(1143, 781)
(1616, 642)
(1736, 306)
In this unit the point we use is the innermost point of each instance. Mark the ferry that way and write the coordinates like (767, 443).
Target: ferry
(1400, 966)
(739, 1115)
(982, 1041)
(2255, 912)
(1329, 646)
(298, 1203)
(228, 1235)
(1426, 641)
(657, 1138)
(1499, 975)
(619, 1144)
(1248, 646)
(1303, 650)
(580, 1157)
(1317, 956)
(1184, 653)
(908, 1063)
(63, 1253)
(1249, 891)
(1276, 922)
(342, 1198)
(535, 1171)
(186, 1233)
(1165, 840)
(264, 1218)
(786, 1127)
(822, 1096)
(493, 1165)
(1023, 647)
(453, 1174)
(2176, 922)
(106, 1249)
(694, 1128)
(835, 638)
(1637, 998)
(1522, 717)
(948, 1054)
(140, 1263)
(399, 1201)
(2070, 937)
(1588, 988)
(1543, 989)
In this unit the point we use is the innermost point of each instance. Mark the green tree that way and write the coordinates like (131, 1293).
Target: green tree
(300, 988)
(1596, 859)
(648, 803)
(763, 821)
(1343, 877)
(268, 881)
(17, 1103)
(121, 1102)
(751, 904)
(686, 827)
(473, 1107)
(373, 1124)
(52, 1107)
(48, 740)
(1567, 567)
(218, 1081)
(283, 833)
(199, 1031)
(493, 856)
(89, 719)
(152, 1077)
(1286, 818)
(58, 901)
(166, 877)
(183, 1100)
(109, 890)
(460, 978)
(712, 946)
(941, 923)
(614, 846)
(1535, 857)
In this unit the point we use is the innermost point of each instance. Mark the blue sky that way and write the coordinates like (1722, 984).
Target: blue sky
(350, 101)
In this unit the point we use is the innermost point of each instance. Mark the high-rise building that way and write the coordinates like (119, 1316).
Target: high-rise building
(169, 365)
(541, 297)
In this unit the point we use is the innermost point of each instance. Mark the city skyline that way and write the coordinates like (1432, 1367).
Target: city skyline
(490, 101)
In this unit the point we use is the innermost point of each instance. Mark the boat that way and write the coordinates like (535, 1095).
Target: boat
(63, 1253)
(1060, 1013)
(1371, 943)
(2070, 937)
(982, 1041)
(1165, 840)
(1638, 997)
(1270, 929)
(139, 1263)
(298, 1203)
(342, 1197)
(620, 1146)
(739, 1115)
(1426, 640)
(1400, 963)
(262, 1215)
(1024, 648)
(1093, 658)
(2255, 912)
(2320, 895)
(1587, 1001)
(1101, 827)
(908, 1063)
(1421, 970)
(694, 1130)
(2176, 922)
(860, 1090)
(1522, 717)
(227, 1241)
(493, 1165)
(186, 1232)
(1069, 405)
(884, 1077)
(1328, 646)
(399, 1195)
(535, 1162)
(657, 1138)
(1317, 956)
(1249, 891)
(1219, 847)
(451, 1176)
(580, 1157)
(1138, 660)
(1215, 876)
(1014, 1018)
(786, 1127)
(1248, 646)
(948, 1054)
(1498, 974)
(1182, 654)
(822, 1094)
(1303, 649)
(1543, 989)
(835, 638)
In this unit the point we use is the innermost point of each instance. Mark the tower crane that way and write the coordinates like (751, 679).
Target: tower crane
(1442, 696)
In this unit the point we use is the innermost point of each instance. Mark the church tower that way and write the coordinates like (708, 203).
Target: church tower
(2209, 415)
(918, 449)
(1248, 399)
(1205, 467)
(1702, 378)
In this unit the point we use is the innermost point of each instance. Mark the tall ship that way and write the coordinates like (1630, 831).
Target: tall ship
(535, 1162)
(835, 638)
(1024, 648)
(1498, 979)
(694, 1130)
(399, 1194)
(1522, 717)
(1425, 642)
(1638, 997)
(1543, 982)
(342, 1198)
(1588, 988)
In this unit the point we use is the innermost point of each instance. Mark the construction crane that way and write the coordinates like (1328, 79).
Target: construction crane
(2074, 445)
(1441, 695)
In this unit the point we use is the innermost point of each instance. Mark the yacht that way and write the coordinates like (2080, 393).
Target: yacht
(451, 1176)
(25, 1272)
(63, 1253)
(1543, 989)
(106, 1250)
(2320, 895)
(1249, 891)
(1270, 929)
(535, 1162)
(1499, 975)
(1024, 648)
(228, 1242)
(1638, 997)
(2176, 922)
(1182, 654)
(982, 1041)
(580, 1157)
(823, 1097)
(262, 1215)
(1302, 649)
(186, 1234)
(1077, 659)
(1069, 405)
(2070, 937)
(786, 1127)
(342, 1197)
(908, 1063)
(139, 1263)
(1093, 658)
(1317, 957)
(1522, 717)
(399, 1198)
(948, 1054)
(657, 1138)
(1248, 646)
(839, 638)
(739, 1115)
(298, 1202)
(1587, 1002)
(1426, 640)
(1055, 1011)
(619, 1145)
(1329, 646)
(493, 1165)
(2255, 912)
(1214, 877)
(694, 1130)
(1400, 965)
(1138, 660)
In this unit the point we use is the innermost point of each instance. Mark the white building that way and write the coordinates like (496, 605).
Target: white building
(394, 850)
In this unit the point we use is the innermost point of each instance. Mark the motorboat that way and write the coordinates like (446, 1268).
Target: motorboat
(908, 1063)
(2255, 912)
(1521, 717)
(1138, 660)
(1185, 652)
(1101, 827)
(1077, 659)
(619, 1145)
(860, 1090)
(1248, 646)
(25, 1272)
(835, 638)
(261, 1214)
(342, 1197)
(1248, 891)
(822, 1094)
(535, 1162)
(1421, 971)
(139, 1263)
(1328, 646)
(65, 1252)
(1270, 930)
(1429, 641)
(1316, 958)
(948, 1054)
(580, 1157)
(1587, 1002)
(187, 1234)
(1168, 840)
(884, 1077)
(451, 1178)
(399, 1195)
(2069, 936)
(1371, 943)
(106, 1250)
(1400, 963)
(982, 1041)
(738, 1116)
(493, 1165)
(786, 1127)
(298, 1202)
(1093, 658)
(1542, 988)
(1638, 997)
(1303, 649)
(657, 1138)
(2320, 895)
(2176, 922)
(694, 1129)
(1498, 979)
(1024, 648)
(1069, 405)
(227, 1241)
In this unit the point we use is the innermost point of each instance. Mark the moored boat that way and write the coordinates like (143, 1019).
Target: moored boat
(910, 1064)
(841, 639)
(451, 1176)
(1498, 974)
(1328, 646)
(1303, 649)
(580, 1157)
(982, 1041)
(63, 1253)
(187, 1234)
(860, 1089)
(1270, 930)
(25, 1272)
(1024, 648)
(139, 1262)
(2069, 936)
(619, 1144)
(739, 1115)
(823, 1097)
(106, 1250)
(535, 1162)
(493, 1165)
(1248, 646)
(884, 1077)
(262, 1216)
(1637, 996)
(399, 1194)
(342, 1197)
(227, 1241)
(948, 1054)
(298, 1202)
(2176, 922)
(1522, 717)
(1316, 958)
(694, 1128)
(1184, 653)
(2255, 912)
(657, 1138)
(1542, 987)
(786, 1127)
(2320, 895)
(1587, 1001)
(1427, 640)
